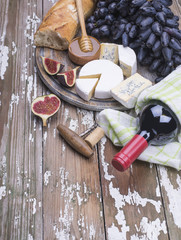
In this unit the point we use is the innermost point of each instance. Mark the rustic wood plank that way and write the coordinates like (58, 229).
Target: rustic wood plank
(72, 206)
(72, 198)
(170, 182)
(20, 132)
(132, 200)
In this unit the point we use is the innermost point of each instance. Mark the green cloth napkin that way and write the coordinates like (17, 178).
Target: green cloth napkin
(120, 127)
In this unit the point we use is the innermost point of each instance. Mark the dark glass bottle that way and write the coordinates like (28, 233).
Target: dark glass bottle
(158, 126)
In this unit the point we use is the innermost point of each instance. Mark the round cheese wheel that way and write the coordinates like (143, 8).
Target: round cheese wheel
(110, 75)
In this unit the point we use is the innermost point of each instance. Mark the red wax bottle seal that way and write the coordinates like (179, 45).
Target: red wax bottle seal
(129, 153)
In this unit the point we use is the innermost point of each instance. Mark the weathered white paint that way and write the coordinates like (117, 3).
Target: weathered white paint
(31, 27)
(173, 194)
(14, 48)
(74, 124)
(149, 230)
(2, 192)
(105, 165)
(47, 175)
(87, 117)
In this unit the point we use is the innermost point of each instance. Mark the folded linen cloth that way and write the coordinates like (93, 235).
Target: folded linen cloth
(120, 127)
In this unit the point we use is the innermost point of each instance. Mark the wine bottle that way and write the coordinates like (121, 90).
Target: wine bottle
(158, 125)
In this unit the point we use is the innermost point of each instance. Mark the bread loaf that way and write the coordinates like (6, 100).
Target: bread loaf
(61, 23)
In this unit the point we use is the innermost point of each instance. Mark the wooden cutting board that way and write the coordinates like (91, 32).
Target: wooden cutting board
(69, 94)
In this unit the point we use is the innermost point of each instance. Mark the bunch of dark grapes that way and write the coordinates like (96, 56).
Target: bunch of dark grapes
(148, 27)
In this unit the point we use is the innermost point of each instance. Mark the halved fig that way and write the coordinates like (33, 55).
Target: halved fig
(45, 106)
(51, 66)
(67, 78)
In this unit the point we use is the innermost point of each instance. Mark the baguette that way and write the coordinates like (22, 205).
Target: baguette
(61, 24)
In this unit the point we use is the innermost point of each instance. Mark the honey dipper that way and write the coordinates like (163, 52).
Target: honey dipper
(84, 42)
(85, 48)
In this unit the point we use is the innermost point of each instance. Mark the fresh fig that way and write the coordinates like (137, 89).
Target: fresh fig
(67, 78)
(51, 66)
(45, 106)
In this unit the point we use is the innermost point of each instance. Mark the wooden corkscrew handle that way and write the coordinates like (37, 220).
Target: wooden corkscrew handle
(78, 143)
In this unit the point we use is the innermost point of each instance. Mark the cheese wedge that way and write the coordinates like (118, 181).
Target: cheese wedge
(91, 76)
(109, 51)
(85, 87)
(110, 76)
(128, 91)
(127, 60)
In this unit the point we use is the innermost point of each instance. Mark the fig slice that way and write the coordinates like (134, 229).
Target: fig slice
(45, 106)
(51, 66)
(67, 78)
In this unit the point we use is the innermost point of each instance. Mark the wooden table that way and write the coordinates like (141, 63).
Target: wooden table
(47, 190)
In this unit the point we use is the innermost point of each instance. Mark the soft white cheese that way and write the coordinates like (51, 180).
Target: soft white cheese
(128, 91)
(109, 51)
(85, 87)
(127, 60)
(110, 76)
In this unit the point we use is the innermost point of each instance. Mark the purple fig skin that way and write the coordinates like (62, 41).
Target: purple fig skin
(67, 78)
(51, 63)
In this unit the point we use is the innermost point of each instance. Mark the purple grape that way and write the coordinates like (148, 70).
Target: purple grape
(175, 44)
(171, 23)
(109, 19)
(151, 40)
(166, 2)
(112, 7)
(91, 19)
(155, 64)
(90, 26)
(102, 12)
(157, 28)
(137, 3)
(100, 22)
(166, 70)
(135, 44)
(157, 46)
(177, 60)
(173, 32)
(167, 53)
(101, 4)
(157, 5)
(165, 39)
(142, 52)
(146, 22)
(125, 39)
(161, 17)
(104, 31)
(95, 33)
(128, 27)
(133, 31)
(148, 11)
(145, 34)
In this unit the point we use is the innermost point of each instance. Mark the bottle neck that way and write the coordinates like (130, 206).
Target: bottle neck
(133, 149)
(123, 159)
(148, 135)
